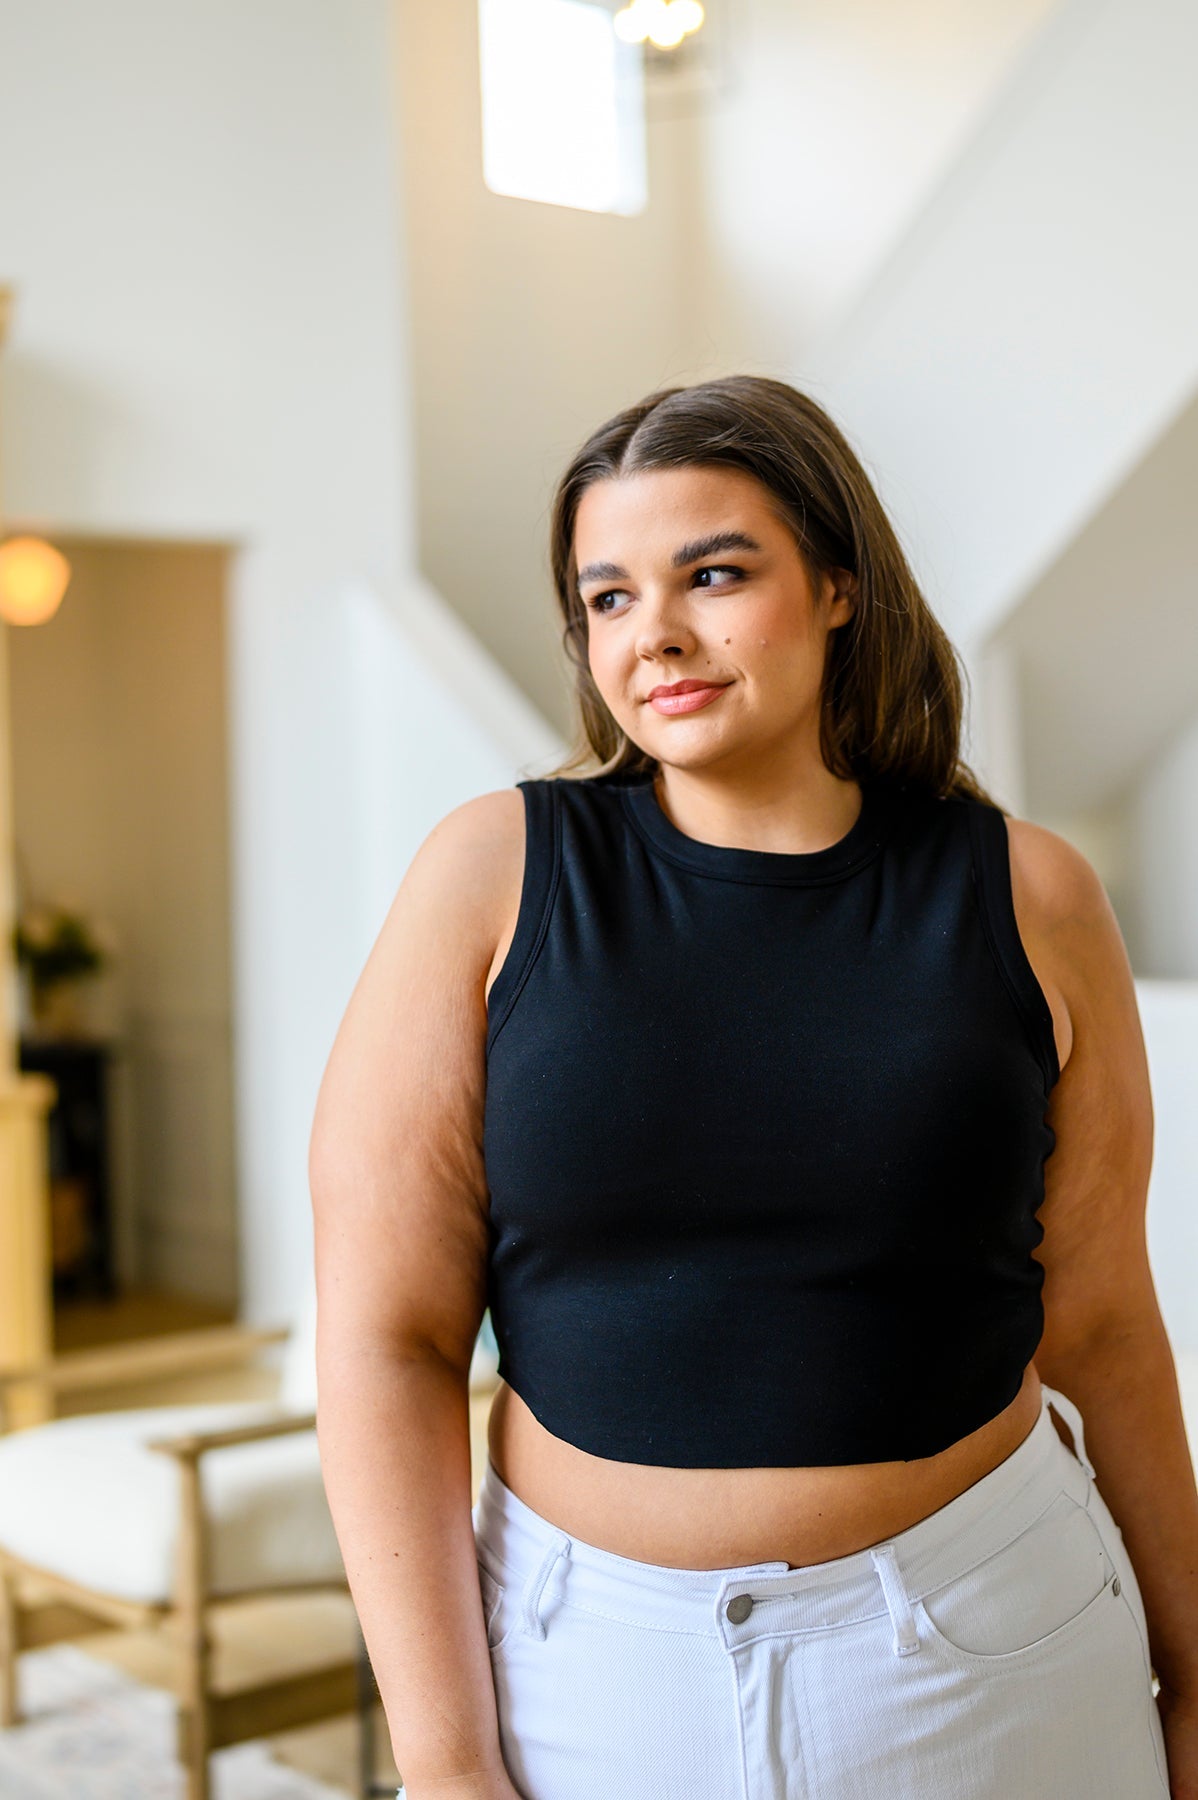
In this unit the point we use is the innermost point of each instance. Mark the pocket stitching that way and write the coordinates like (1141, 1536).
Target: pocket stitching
(987, 1656)
(1138, 1628)
(1135, 1624)
(493, 1592)
(998, 1660)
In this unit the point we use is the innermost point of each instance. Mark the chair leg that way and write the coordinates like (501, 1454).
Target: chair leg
(10, 1643)
(194, 1627)
(194, 1735)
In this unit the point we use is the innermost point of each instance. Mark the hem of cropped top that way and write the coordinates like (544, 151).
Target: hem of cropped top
(636, 1447)
(996, 907)
(780, 868)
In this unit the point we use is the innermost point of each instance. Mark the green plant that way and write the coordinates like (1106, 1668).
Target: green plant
(57, 943)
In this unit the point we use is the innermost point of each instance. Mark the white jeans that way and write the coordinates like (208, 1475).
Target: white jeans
(995, 1650)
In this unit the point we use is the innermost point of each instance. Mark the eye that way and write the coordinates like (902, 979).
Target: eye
(718, 569)
(598, 603)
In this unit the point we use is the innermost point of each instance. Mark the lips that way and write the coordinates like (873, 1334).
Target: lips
(681, 697)
(684, 687)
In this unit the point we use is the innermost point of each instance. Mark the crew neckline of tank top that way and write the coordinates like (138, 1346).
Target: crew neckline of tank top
(860, 844)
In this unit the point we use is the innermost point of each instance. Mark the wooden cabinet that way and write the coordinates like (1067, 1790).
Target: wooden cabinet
(80, 1199)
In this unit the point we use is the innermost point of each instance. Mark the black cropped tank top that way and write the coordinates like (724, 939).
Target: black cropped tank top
(765, 1133)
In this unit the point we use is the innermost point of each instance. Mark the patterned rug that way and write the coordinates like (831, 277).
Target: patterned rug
(90, 1732)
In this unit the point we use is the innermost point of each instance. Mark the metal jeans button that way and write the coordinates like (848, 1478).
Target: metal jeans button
(739, 1608)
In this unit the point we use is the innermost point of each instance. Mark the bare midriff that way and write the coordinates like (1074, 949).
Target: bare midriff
(721, 1518)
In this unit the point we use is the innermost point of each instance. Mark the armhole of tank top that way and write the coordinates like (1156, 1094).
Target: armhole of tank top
(542, 865)
(992, 880)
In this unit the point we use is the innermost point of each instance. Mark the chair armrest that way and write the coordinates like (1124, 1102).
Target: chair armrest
(173, 1353)
(193, 1444)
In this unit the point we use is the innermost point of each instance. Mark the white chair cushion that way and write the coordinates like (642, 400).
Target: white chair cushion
(84, 1498)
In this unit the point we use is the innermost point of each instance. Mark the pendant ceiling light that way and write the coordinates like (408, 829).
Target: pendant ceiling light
(663, 23)
(33, 580)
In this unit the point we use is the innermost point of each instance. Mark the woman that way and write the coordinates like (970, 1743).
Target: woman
(733, 1074)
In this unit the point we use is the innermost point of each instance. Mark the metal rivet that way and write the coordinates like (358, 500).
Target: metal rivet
(1116, 1585)
(739, 1608)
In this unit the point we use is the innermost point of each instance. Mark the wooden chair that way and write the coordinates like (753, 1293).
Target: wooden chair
(153, 1517)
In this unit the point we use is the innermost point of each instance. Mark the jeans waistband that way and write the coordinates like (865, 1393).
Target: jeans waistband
(516, 1544)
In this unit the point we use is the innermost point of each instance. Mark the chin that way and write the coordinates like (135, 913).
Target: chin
(700, 757)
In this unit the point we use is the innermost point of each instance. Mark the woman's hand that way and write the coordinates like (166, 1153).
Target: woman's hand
(1179, 1718)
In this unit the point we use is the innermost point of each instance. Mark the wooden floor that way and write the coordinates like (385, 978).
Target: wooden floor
(254, 1639)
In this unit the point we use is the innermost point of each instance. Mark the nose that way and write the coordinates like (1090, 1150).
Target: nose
(664, 628)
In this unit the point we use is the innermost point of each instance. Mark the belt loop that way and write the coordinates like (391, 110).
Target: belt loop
(906, 1637)
(530, 1616)
(1072, 1417)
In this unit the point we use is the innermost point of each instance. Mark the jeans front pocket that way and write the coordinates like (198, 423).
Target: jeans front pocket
(1113, 1537)
(1047, 1584)
(500, 1609)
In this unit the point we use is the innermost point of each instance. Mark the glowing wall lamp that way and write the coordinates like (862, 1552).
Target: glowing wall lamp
(663, 22)
(33, 580)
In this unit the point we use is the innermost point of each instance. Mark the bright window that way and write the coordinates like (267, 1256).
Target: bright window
(563, 105)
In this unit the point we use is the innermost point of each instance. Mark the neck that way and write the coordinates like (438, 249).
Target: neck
(791, 817)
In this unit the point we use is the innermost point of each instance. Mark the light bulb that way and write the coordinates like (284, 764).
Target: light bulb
(666, 29)
(664, 22)
(33, 580)
(656, 15)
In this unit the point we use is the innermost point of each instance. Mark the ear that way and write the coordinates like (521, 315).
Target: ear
(843, 599)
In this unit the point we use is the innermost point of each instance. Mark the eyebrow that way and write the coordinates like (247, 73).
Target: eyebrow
(686, 554)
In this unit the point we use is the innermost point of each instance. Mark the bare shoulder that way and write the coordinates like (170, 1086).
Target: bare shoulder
(1052, 882)
(1056, 890)
(493, 821)
(464, 873)
(483, 836)
(420, 994)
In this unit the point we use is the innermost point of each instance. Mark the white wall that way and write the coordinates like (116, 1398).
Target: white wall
(1106, 642)
(1169, 1015)
(200, 217)
(839, 118)
(1161, 823)
(1036, 331)
(1098, 694)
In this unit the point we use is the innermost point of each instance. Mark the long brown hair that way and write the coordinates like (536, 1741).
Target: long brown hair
(893, 683)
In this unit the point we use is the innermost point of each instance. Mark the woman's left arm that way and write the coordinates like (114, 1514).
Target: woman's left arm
(1105, 1343)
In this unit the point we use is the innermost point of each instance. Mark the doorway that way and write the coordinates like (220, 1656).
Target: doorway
(121, 824)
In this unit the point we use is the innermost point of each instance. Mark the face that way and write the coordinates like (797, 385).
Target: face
(690, 575)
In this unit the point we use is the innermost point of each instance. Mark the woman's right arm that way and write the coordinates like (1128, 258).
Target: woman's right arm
(399, 1199)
